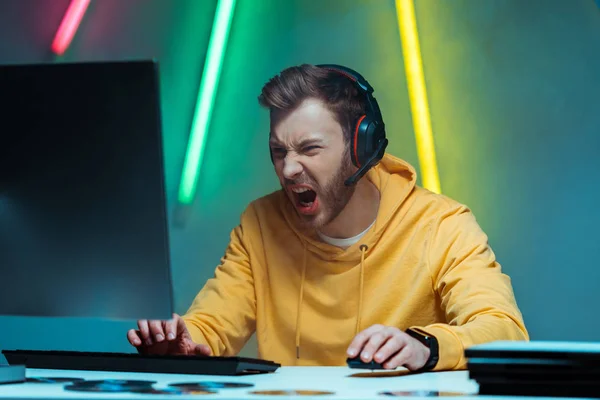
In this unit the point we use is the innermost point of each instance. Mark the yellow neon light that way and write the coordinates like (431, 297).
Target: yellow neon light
(417, 92)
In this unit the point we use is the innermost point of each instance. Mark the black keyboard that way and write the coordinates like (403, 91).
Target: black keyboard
(133, 362)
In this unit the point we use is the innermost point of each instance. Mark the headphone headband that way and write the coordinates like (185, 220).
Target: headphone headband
(350, 74)
(361, 84)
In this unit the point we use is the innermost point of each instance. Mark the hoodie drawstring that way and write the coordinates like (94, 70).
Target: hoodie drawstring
(363, 250)
(299, 311)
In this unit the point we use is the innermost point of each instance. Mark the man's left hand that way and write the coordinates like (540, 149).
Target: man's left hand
(390, 347)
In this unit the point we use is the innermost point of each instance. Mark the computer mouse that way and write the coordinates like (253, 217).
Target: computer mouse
(356, 362)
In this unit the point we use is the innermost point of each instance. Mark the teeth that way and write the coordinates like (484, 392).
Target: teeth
(300, 190)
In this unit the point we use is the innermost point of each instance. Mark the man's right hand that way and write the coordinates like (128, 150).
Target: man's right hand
(165, 337)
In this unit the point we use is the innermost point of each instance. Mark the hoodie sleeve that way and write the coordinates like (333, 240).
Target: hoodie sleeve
(476, 297)
(223, 314)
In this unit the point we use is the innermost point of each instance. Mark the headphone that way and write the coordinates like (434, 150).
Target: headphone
(369, 141)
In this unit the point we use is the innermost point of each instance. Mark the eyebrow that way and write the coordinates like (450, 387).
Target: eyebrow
(305, 142)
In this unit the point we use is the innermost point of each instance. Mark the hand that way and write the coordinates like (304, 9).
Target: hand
(165, 337)
(390, 347)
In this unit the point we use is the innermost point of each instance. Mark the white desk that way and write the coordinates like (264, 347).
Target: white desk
(341, 380)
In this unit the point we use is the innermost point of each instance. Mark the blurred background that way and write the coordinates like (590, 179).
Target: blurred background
(514, 97)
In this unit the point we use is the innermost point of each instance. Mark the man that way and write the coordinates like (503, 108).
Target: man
(334, 265)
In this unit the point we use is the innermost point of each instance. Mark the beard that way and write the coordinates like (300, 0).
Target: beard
(333, 196)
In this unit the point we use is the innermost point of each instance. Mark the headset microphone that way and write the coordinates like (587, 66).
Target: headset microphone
(370, 163)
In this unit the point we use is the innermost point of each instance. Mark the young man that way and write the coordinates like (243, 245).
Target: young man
(336, 265)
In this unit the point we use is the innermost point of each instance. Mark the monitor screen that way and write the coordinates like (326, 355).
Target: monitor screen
(83, 226)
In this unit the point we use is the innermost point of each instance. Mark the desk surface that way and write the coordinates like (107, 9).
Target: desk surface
(344, 382)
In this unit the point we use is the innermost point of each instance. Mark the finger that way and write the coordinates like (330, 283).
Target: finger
(402, 358)
(170, 327)
(181, 327)
(156, 330)
(134, 338)
(145, 332)
(361, 338)
(392, 346)
(374, 343)
(203, 350)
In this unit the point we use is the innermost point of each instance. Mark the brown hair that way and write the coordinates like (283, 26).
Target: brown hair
(283, 93)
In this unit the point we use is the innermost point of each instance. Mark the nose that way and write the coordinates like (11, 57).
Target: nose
(291, 167)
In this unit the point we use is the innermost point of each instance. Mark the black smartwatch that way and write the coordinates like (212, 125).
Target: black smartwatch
(429, 341)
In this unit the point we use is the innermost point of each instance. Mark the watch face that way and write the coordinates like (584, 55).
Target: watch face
(425, 339)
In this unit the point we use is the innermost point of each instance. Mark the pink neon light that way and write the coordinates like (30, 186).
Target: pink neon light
(69, 25)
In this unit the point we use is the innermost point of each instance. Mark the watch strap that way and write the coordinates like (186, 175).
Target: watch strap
(431, 342)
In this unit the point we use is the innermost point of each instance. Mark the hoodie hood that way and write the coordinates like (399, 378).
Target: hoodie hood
(394, 178)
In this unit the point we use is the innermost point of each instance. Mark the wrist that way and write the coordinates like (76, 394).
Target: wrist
(431, 343)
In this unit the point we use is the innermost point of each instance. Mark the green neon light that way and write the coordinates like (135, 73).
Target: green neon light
(206, 99)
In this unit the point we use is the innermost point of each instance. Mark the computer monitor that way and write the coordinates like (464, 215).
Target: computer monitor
(83, 225)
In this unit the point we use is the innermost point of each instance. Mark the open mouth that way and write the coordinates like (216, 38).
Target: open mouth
(306, 199)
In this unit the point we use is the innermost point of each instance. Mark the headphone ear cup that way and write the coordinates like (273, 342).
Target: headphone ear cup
(376, 139)
(360, 142)
(352, 147)
(367, 137)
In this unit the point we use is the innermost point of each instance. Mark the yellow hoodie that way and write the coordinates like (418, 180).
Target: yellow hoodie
(424, 263)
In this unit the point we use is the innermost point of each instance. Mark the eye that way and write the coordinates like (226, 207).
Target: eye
(311, 149)
(278, 152)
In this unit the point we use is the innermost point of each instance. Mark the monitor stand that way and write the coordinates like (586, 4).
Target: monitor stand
(12, 373)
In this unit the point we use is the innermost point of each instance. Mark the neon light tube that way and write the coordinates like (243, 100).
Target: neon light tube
(417, 92)
(205, 100)
(68, 26)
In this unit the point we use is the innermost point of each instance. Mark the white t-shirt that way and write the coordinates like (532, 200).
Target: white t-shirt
(345, 242)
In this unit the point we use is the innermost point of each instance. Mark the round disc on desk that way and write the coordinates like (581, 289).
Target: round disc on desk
(101, 388)
(109, 385)
(40, 379)
(211, 385)
(291, 392)
(169, 390)
(119, 382)
(423, 393)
